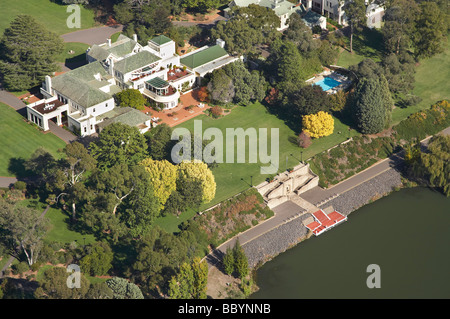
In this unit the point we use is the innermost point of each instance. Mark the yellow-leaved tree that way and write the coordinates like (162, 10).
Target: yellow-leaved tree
(198, 170)
(163, 176)
(319, 124)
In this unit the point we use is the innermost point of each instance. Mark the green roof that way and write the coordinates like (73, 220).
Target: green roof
(120, 48)
(124, 115)
(82, 84)
(158, 83)
(204, 56)
(135, 61)
(161, 39)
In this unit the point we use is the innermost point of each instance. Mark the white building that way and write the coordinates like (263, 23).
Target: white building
(80, 98)
(333, 9)
(282, 8)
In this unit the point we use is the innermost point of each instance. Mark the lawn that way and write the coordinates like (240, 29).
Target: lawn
(50, 14)
(366, 44)
(78, 52)
(432, 84)
(60, 231)
(232, 178)
(19, 140)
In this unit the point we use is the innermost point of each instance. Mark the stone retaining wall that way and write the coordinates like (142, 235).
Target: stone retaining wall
(285, 236)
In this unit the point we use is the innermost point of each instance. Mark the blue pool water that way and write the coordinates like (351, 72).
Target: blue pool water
(327, 83)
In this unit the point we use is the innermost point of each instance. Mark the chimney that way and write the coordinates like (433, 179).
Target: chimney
(111, 66)
(220, 43)
(48, 84)
(135, 37)
(109, 42)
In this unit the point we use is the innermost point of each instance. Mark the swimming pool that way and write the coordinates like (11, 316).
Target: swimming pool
(327, 83)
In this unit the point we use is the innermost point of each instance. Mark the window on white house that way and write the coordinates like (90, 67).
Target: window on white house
(85, 129)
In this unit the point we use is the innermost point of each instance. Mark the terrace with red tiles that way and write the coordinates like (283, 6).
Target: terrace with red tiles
(324, 222)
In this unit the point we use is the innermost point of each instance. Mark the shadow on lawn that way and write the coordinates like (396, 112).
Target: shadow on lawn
(16, 167)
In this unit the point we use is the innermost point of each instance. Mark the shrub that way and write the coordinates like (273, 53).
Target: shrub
(20, 268)
(304, 140)
(318, 125)
(20, 185)
(216, 111)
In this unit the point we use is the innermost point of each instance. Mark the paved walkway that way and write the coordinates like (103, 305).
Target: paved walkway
(308, 202)
(92, 36)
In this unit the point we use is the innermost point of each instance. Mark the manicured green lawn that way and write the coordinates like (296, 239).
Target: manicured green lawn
(115, 36)
(232, 178)
(366, 44)
(79, 52)
(50, 14)
(432, 84)
(60, 231)
(18, 140)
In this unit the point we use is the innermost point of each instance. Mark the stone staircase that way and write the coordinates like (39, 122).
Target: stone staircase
(287, 184)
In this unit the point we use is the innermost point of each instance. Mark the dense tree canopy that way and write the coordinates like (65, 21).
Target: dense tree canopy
(132, 98)
(119, 143)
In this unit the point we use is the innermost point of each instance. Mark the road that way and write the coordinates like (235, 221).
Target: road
(92, 36)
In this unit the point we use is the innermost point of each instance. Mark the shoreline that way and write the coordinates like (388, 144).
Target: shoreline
(288, 235)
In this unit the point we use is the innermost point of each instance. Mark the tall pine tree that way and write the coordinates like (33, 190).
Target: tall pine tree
(28, 52)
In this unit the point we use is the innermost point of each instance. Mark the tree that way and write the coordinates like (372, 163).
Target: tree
(318, 125)
(304, 140)
(399, 25)
(228, 261)
(287, 63)
(114, 185)
(132, 98)
(221, 88)
(300, 34)
(247, 27)
(196, 170)
(69, 174)
(28, 52)
(240, 260)
(200, 5)
(248, 86)
(122, 289)
(239, 37)
(159, 142)
(97, 261)
(22, 230)
(431, 30)
(142, 206)
(307, 100)
(99, 290)
(158, 255)
(119, 143)
(190, 283)
(399, 71)
(355, 10)
(369, 112)
(163, 176)
(53, 285)
(434, 165)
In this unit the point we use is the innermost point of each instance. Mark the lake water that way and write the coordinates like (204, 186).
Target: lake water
(407, 234)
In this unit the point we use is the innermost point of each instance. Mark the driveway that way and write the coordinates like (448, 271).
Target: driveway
(92, 36)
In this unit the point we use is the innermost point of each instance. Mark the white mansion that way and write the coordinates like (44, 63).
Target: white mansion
(84, 97)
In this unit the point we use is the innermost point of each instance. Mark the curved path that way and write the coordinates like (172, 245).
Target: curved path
(92, 36)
